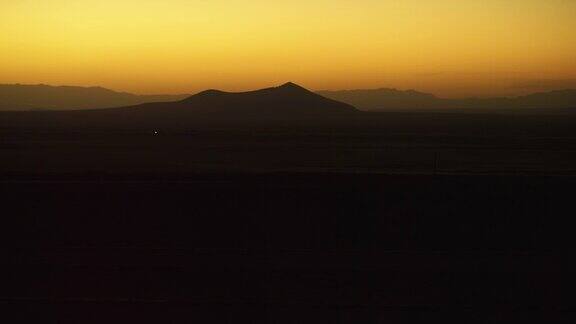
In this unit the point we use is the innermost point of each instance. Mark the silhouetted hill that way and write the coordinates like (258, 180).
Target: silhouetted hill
(17, 97)
(285, 103)
(287, 99)
(392, 99)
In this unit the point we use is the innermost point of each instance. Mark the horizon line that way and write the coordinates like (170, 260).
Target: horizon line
(282, 84)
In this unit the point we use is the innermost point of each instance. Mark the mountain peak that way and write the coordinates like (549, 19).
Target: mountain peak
(289, 85)
(292, 86)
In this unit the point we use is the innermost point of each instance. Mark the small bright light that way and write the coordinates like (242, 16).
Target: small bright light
(155, 132)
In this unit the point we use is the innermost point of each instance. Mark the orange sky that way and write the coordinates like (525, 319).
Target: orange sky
(448, 47)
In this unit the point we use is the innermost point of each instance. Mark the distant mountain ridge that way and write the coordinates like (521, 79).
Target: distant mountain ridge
(373, 99)
(392, 99)
(18, 97)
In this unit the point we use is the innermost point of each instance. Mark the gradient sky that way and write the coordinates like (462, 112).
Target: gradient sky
(448, 47)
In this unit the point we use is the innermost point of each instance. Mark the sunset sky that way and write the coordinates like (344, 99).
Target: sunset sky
(452, 48)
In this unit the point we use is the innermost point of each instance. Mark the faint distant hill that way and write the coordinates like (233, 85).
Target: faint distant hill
(392, 99)
(17, 97)
(383, 98)
(286, 103)
(556, 99)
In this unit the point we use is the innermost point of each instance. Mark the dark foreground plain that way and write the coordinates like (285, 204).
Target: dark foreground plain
(403, 218)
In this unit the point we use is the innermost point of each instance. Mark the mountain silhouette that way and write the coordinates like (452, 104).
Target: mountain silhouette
(287, 100)
(18, 97)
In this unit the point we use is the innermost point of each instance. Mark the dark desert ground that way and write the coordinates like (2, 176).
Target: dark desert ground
(168, 213)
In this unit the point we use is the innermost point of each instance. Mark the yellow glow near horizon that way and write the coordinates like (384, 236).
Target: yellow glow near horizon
(450, 47)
